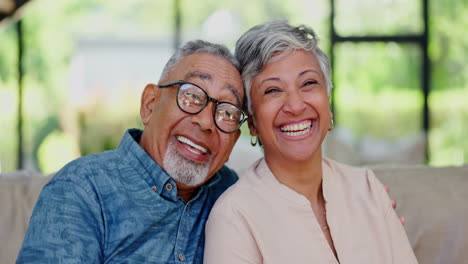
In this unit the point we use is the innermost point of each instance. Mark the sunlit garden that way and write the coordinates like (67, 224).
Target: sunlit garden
(87, 61)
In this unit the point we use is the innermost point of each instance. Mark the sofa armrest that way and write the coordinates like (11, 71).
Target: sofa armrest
(18, 194)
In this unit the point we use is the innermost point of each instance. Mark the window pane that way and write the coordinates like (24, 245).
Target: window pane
(449, 126)
(379, 101)
(82, 90)
(224, 22)
(449, 83)
(8, 98)
(378, 17)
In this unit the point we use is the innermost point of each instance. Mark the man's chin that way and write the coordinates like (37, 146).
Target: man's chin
(189, 185)
(184, 170)
(190, 181)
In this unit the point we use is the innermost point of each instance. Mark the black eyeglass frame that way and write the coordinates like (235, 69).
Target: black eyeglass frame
(209, 98)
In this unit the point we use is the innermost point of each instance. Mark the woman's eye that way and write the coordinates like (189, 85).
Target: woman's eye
(310, 83)
(271, 90)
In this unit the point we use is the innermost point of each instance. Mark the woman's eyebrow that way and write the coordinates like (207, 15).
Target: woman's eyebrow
(270, 79)
(307, 71)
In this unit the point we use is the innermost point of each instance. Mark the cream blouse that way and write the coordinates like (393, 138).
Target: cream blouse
(260, 220)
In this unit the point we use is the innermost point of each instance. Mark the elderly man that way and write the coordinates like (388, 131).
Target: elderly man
(147, 201)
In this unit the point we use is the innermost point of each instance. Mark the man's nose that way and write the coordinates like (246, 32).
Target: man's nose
(204, 119)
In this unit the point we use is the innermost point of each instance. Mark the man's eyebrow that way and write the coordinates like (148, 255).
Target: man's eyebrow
(236, 93)
(198, 74)
(206, 76)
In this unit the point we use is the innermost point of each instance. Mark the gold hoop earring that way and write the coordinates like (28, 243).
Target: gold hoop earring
(253, 141)
(331, 125)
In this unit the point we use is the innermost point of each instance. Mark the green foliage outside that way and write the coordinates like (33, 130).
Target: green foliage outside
(383, 100)
(377, 86)
(102, 128)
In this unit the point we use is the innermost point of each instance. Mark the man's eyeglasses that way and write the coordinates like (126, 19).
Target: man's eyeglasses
(192, 99)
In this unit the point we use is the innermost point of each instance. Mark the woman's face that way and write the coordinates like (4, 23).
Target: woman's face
(290, 107)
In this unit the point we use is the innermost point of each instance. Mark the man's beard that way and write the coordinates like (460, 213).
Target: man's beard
(182, 169)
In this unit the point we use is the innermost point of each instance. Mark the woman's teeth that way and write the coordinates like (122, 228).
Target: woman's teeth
(297, 129)
(298, 133)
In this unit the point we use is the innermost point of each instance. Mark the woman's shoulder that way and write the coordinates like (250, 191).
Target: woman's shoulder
(344, 169)
(241, 194)
(358, 182)
(351, 177)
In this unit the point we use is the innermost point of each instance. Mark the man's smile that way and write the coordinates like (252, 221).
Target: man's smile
(195, 148)
(192, 149)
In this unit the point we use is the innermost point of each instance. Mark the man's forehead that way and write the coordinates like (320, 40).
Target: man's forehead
(198, 74)
(195, 74)
(206, 67)
(207, 63)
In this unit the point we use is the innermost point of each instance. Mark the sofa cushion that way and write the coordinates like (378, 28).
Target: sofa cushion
(434, 203)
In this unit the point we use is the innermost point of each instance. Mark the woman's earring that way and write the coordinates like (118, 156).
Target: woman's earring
(331, 125)
(253, 141)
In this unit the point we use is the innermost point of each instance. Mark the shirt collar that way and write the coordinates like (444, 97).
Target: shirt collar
(264, 173)
(266, 176)
(131, 151)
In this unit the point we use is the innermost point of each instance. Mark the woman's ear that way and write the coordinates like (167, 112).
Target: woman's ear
(149, 99)
(251, 123)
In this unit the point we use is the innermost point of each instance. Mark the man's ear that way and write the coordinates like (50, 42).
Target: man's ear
(149, 99)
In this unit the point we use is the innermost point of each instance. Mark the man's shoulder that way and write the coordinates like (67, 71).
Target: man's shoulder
(89, 166)
(228, 176)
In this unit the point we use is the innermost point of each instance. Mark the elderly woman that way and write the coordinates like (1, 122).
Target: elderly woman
(294, 205)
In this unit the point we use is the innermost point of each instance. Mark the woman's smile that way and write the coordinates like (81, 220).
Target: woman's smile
(295, 129)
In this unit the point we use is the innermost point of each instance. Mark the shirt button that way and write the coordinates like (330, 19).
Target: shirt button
(181, 257)
(169, 187)
(154, 188)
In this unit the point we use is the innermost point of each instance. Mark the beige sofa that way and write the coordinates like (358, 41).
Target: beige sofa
(434, 202)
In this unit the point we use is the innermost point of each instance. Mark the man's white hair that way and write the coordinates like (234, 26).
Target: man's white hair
(198, 46)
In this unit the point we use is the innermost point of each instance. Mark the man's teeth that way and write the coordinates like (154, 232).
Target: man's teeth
(190, 143)
(297, 129)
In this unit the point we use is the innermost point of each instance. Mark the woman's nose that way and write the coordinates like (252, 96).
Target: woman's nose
(294, 103)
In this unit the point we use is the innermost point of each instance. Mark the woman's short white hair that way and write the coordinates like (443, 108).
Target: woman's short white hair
(256, 47)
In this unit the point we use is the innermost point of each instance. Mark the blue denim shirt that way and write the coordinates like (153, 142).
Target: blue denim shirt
(119, 206)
